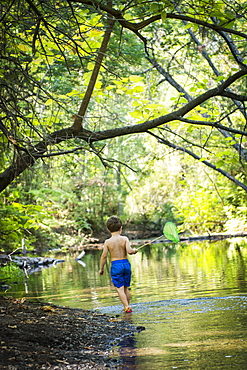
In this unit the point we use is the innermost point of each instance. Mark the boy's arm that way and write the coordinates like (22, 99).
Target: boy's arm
(129, 249)
(103, 259)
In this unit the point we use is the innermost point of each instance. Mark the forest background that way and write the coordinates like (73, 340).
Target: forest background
(127, 107)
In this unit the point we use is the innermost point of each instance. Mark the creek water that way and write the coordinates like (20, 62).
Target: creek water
(191, 299)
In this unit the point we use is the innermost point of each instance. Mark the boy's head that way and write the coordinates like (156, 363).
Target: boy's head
(114, 224)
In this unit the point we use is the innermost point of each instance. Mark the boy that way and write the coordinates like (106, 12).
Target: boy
(118, 246)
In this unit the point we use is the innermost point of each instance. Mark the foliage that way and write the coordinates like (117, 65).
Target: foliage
(70, 36)
(17, 221)
(97, 99)
(11, 271)
(202, 211)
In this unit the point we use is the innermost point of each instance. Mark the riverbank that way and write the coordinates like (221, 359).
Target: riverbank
(42, 336)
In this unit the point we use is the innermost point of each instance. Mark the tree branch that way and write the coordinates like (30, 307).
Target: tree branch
(212, 26)
(235, 53)
(137, 26)
(101, 52)
(222, 129)
(176, 147)
(233, 96)
(24, 160)
(213, 124)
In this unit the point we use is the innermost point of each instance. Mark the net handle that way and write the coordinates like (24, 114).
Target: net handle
(150, 242)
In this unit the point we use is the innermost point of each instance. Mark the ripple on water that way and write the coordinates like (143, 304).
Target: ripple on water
(155, 311)
(204, 333)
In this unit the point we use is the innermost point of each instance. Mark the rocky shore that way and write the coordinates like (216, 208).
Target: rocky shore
(43, 336)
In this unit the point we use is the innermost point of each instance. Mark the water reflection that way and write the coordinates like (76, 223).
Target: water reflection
(159, 272)
(128, 353)
(241, 270)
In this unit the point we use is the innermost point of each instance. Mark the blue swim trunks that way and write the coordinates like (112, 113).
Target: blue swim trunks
(121, 273)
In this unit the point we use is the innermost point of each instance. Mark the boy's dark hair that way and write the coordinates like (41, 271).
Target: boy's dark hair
(114, 224)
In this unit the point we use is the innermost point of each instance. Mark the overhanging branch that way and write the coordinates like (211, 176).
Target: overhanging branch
(213, 124)
(137, 26)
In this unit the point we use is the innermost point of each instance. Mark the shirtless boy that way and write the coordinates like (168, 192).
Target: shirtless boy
(118, 246)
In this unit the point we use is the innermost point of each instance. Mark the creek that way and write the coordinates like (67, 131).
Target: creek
(191, 299)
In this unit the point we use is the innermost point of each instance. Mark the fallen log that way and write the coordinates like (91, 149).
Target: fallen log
(209, 237)
(213, 237)
(34, 261)
(29, 264)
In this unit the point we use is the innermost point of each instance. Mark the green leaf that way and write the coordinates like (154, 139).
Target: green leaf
(163, 16)
(220, 78)
(135, 114)
(134, 78)
(183, 100)
(219, 163)
(138, 89)
(188, 25)
(154, 7)
(49, 102)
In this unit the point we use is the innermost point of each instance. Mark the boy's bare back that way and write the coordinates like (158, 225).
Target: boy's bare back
(118, 246)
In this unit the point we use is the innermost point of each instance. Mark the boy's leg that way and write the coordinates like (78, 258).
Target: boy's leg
(123, 297)
(127, 293)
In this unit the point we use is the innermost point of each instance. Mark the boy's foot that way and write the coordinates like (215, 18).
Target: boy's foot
(128, 310)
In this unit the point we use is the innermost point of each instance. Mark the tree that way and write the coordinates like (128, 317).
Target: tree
(198, 48)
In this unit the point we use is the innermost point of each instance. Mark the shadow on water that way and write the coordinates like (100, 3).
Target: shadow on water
(127, 353)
